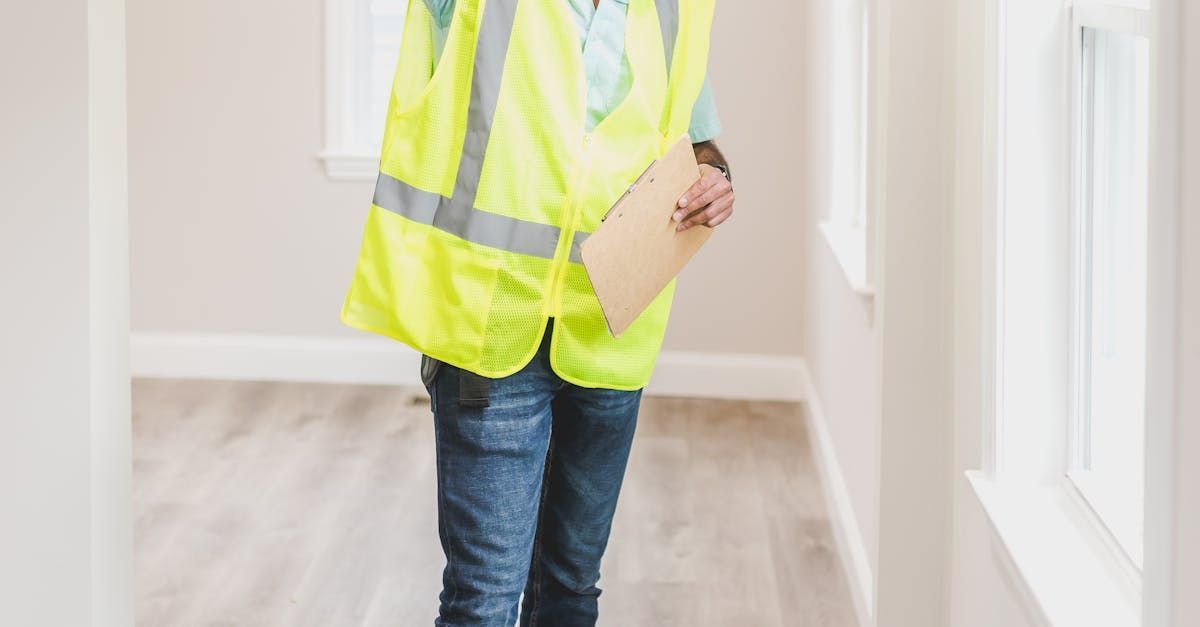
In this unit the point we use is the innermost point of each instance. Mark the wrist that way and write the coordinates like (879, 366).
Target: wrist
(722, 168)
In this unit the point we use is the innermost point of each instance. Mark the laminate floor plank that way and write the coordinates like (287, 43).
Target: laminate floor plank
(299, 504)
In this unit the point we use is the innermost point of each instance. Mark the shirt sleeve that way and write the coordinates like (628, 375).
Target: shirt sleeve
(442, 11)
(706, 124)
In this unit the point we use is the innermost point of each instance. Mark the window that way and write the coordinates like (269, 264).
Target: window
(846, 229)
(1109, 268)
(1064, 299)
(363, 41)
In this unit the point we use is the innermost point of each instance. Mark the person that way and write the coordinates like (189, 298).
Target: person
(513, 126)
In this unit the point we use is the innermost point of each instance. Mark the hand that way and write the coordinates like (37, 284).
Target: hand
(708, 202)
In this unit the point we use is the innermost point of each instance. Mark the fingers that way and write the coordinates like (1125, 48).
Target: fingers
(711, 215)
(709, 201)
(699, 187)
(695, 196)
(721, 217)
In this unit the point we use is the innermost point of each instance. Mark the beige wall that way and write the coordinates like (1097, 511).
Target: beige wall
(1186, 497)
(65, 517)
(45, 526)
(914, 313)
(235, 229)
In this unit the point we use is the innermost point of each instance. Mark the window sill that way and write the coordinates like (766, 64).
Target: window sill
(849, 245)
(1057, 561)
(350, 166)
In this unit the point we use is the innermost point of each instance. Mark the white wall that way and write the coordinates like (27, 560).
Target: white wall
(236, 230)
(977, 591)
(880, 365)
(839, 333)
(914, 312)
(66, 549)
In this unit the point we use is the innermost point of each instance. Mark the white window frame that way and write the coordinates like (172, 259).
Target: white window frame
(345, 155)
(1067, 567)
(847, 228)
(1120, 17)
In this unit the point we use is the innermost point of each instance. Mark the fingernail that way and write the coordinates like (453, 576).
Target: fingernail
(683, 201)
(678, 216)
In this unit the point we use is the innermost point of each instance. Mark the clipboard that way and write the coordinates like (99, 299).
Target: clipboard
(636, 250)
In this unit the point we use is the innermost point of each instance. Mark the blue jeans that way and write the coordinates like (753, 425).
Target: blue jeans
(527, 488)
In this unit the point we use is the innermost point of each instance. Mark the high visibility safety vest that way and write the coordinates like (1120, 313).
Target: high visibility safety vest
(489, 183)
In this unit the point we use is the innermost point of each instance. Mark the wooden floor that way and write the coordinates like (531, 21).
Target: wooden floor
(287, 504)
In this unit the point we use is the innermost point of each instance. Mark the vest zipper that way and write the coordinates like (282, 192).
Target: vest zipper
(572, 222)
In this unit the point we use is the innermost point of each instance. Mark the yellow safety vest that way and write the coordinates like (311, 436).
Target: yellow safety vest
(489, 183)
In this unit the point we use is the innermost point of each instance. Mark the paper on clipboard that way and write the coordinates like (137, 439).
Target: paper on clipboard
(636, 251)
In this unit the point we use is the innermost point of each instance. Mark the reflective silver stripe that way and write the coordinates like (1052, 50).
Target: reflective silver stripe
(491, 50)
(479, 227)
(668, 19)
(457, 215)
(575, 244)
(399, 197)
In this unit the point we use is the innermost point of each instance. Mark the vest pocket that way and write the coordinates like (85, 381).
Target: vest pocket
(421, 66)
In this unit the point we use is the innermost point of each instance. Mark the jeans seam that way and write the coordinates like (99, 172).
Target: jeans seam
(441, 519)
(537, 538)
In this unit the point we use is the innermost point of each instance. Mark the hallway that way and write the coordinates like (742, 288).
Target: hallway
(939, 371)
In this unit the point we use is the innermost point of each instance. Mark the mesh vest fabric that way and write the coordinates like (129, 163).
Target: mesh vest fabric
(488, 184)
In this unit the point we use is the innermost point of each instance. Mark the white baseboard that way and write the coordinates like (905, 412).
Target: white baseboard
(381, 361)
(850, 543)
(728, 375)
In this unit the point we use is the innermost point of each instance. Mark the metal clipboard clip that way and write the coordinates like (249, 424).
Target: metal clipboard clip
(630, 189)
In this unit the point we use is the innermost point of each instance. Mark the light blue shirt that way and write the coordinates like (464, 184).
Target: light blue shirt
(602, 36)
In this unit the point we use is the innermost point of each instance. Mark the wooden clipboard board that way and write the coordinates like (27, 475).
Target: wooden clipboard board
(636, 251)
